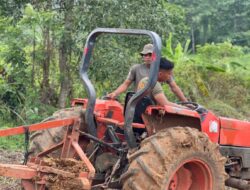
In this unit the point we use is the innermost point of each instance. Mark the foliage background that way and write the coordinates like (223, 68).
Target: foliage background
(42, 42)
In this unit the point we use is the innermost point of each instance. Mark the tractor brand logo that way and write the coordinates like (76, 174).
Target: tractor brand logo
(213, 127)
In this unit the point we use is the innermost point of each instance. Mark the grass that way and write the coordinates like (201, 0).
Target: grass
(12, 142)
(15, 142)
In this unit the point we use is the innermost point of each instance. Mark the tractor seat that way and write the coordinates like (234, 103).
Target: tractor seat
(140, 107)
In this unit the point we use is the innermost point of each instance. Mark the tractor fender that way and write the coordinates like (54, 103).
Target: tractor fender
(157, 118)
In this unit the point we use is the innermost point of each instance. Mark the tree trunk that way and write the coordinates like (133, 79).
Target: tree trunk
(193, 39)
(205, 24)
(64, 54)
(33, 60)
(45, 87)
(64, 74)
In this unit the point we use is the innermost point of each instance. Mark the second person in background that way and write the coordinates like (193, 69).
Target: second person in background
(140, 71)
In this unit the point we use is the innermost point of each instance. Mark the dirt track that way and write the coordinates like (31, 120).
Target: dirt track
(8, 157)
(15, 158)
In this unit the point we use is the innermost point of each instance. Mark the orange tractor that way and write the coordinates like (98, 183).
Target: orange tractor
(101, 144)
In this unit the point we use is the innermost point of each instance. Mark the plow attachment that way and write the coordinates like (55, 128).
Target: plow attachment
(72, 170)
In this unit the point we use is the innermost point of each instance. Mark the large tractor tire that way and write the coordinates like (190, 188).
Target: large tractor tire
(43, 139)
(179, 158)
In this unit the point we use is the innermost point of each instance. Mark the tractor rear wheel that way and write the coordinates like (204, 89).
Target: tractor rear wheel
(43, 139)
(179, 158)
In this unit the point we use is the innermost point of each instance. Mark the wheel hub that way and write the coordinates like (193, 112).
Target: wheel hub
(191, 175)
(181, 180)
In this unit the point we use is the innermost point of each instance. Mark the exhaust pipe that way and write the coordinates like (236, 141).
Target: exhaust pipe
(237, 183)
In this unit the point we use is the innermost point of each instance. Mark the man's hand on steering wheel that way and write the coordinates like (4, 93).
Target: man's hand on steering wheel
(194, 106)
(112, 95)
(190, 105)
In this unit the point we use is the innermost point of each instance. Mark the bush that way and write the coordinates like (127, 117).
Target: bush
(217, 76)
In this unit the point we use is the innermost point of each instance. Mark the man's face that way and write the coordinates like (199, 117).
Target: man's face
(165, 75)
(147, 58)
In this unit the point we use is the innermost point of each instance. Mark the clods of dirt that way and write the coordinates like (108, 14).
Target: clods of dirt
(56, 182)
(65, 182)
(69, 164)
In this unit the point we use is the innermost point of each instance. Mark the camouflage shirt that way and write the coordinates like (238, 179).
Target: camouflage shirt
(138, 72)
(156, 90)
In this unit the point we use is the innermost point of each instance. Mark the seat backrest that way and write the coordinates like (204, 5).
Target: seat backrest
(140, 107)
(127, 98)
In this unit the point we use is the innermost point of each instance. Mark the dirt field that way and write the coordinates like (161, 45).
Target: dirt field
(16, 158)
(57, 182)
(13, 158)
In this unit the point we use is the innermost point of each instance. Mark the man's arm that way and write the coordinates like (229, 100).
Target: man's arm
(122, 88)
(162, 100)
(177, 91)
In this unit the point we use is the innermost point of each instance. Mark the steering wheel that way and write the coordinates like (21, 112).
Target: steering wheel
(194, 106)
(191, 105)
(108, 98)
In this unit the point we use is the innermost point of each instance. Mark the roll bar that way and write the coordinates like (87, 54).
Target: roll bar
(130, 109)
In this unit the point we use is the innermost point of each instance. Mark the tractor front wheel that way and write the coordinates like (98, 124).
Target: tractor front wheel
(179, 158)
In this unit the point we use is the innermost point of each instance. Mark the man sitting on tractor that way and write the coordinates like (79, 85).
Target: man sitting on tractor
(140, 71)
(165, 74)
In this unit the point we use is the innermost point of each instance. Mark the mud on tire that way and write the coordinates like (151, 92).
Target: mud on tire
(43, 139)
(176, 159)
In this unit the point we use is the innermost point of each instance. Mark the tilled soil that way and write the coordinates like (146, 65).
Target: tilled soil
(10, 157)
(59, 182)
(56, 182)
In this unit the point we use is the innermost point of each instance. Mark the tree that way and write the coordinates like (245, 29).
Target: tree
(217, 21)
(65, 48)
(13, 8)
(232, 21)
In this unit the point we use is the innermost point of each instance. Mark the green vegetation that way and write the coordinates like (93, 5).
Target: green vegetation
(217, 76)
(11, 142)
(42, 42)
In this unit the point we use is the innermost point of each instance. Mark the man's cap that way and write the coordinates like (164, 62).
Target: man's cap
(148, 48)
(166, 64)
